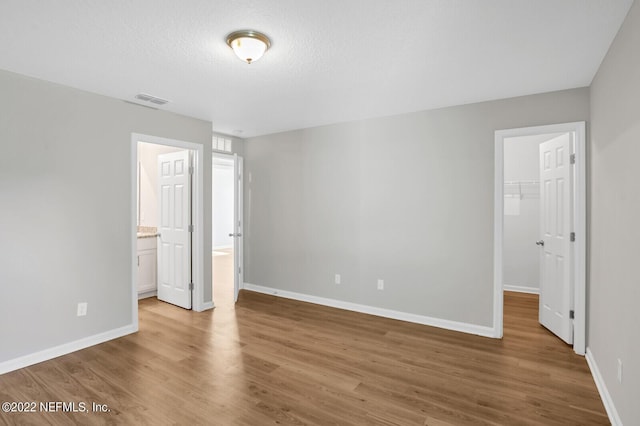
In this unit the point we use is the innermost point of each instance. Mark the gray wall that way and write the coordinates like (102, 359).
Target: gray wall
(614, 284)
(407, 198)
(65, 194)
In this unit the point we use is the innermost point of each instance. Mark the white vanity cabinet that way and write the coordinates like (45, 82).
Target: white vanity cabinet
(147, 267)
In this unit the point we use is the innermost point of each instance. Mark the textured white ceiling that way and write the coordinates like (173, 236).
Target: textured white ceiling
(331, 60)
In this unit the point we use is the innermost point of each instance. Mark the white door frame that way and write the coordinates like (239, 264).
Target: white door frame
(579, 225)
(238, 216)
(197, 213)
(238, 249)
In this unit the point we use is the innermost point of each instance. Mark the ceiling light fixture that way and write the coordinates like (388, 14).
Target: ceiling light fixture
(248, 45)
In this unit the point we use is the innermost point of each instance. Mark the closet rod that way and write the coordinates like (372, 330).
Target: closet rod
(522, 182)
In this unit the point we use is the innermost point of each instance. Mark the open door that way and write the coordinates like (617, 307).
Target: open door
(556, 189)
(238, 224)
(174, 248)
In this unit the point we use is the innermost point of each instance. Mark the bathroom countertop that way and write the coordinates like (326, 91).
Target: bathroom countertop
(147, 234)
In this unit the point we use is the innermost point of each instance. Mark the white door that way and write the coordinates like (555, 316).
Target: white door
(556, 189)
(174, 248)
(238, 225)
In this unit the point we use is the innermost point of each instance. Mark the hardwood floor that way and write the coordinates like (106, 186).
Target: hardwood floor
(277, 361)
(222, 269)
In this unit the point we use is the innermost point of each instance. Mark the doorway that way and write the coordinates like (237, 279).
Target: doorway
(185, 240)
(154, 264)
(226, 256)
(526, 206)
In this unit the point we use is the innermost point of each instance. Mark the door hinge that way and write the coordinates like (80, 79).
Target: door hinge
(572, 159)
(572, 314)
(572, 237)
(239, 270)
(190, 228)
(190, 170)
(191, 285)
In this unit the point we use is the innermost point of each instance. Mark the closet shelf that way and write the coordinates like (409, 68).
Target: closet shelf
(522, 182)
(522, 189)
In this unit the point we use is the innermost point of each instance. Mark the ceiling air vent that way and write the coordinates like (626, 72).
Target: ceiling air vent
(152, 99)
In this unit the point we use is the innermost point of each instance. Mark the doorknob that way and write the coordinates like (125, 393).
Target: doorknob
(540, 243)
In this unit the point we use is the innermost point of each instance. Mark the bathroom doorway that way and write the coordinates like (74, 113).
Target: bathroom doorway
(167, 252)
(149, 258)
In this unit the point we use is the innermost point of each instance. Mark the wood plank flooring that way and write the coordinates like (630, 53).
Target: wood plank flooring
(276, 361)
(222, 269)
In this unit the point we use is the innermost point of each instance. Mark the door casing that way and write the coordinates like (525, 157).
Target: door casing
(238, 198)
(238, 217)
(579, 225)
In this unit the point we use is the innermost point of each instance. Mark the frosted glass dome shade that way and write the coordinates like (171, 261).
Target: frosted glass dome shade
(248, 45)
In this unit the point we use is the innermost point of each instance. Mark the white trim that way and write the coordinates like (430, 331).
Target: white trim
(67, 348)
(372, 310)
(579, 224)
(609, 406)
(521, 289)
(222, 247)
(146, 294)
(208, 305)
(134, 231)
(239, 202)
(580, 245)
(498, 236)
(198, 215)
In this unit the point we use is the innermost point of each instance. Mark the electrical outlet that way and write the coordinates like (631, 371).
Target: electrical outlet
(82, 309)
(619, 370)
(380, 284)
(337, 280)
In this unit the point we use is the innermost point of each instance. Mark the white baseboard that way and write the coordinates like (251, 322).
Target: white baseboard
(222, 247)
(67, 348)
(146, 294)
(207, 305)
(521, 289)
(372, 310)
(614, 418)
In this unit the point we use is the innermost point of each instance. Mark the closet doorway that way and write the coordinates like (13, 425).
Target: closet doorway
(540, 228)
